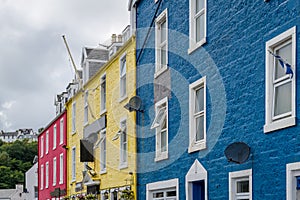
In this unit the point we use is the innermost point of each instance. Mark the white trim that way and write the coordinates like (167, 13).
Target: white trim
(162, 185)
(47, 175)
(103, 106)
(123, 164)
(54, 136)
(61, 131)
(61, 168)
(192, 29)
(292, 170)
(193, 144)
(122, 76)
(196, 173)
(163, 17)
(102, 139)
(73, 124)
(42, 146)
(47, 142)
(54, 171)
(239, 175)
(271, 123)
(73, 162)
(42, 177)
(158, 154)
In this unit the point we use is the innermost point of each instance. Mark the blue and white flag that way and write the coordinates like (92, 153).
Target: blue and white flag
(284, 64)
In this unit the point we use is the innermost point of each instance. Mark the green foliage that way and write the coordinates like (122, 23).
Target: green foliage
(15, 159)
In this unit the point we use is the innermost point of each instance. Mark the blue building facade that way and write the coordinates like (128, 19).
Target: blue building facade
(211, 74)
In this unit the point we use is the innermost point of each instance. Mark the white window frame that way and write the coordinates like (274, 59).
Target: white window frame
(292, 171)
(61, 131)
(103, 94)
(47, 175)
(238, 176)
(159, 68)
(54, 136)
(42, 146)
(123, 152)
(123, 78)
(86, 108)
(54, 171)
(197, 172)
(162, 185)
(271, 123)
(73, 164)
(193, 144)
(42, 177)
(159, 155)
(74, 117)
(103, 147)
(47, 141)
(61, 168)
(192, 25)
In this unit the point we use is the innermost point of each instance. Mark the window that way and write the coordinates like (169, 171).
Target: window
(36, 192)
(86, 107)
(280, 87)
(61, 168)
(103, 151)
(54, 136)
(74, 117)
(160, 123)
(73, 163)
(103, 94)
(197, 24)
(47, 175)
(61, 131)
(42, 146)
(42, 177)
(47, 142)
(86, 72)
(161, 43)
(54, 171)
(123, 77)
(197, 115)
(196, 182)
(163, 190)
(123, 144)
(293, 181)
(240, 185)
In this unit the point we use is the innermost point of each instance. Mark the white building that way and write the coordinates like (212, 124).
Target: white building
(31, 177)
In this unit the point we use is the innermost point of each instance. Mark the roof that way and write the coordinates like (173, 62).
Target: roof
(7, 193)
(9, 133)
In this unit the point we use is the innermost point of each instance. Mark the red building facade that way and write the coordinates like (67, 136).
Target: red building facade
(52, 162)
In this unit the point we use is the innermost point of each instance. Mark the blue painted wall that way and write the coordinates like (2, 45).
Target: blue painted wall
(233, 61)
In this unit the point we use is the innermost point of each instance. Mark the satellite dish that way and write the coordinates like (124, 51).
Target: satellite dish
(237, 152)
(135, 103)
(92, 138)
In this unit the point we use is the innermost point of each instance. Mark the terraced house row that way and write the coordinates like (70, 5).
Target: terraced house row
(195, 100)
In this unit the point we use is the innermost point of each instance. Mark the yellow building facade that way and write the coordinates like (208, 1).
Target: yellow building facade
(100, 127)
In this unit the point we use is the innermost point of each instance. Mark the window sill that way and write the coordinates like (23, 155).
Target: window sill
(60, 183)
(103, 171)
(160, 157)
(195, 46)
(102, 112)
(122, 98)
(123, 166)
(197, 147)
(73, 132)
(280, 124)
(159, 72)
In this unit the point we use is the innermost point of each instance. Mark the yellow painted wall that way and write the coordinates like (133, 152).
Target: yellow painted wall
(115, 111)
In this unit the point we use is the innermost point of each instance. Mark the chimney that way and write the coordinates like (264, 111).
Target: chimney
(113, 38)
(120, 38)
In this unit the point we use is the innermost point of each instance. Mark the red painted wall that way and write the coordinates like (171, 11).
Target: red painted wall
(44, 193)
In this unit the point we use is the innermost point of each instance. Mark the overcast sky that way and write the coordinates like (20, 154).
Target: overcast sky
(34, 64)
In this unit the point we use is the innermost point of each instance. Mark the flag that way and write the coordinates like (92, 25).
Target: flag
(284, 64)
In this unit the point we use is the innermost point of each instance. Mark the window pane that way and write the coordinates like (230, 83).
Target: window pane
(163, 141)
(158, 194)
(283, 100)
(199, 5)
(163, 55)
(123, 68)
(242, 186)
(285, 53)
(199, 28)
(199, 101)
(163, 31)
(171, 194)
(200, 128)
